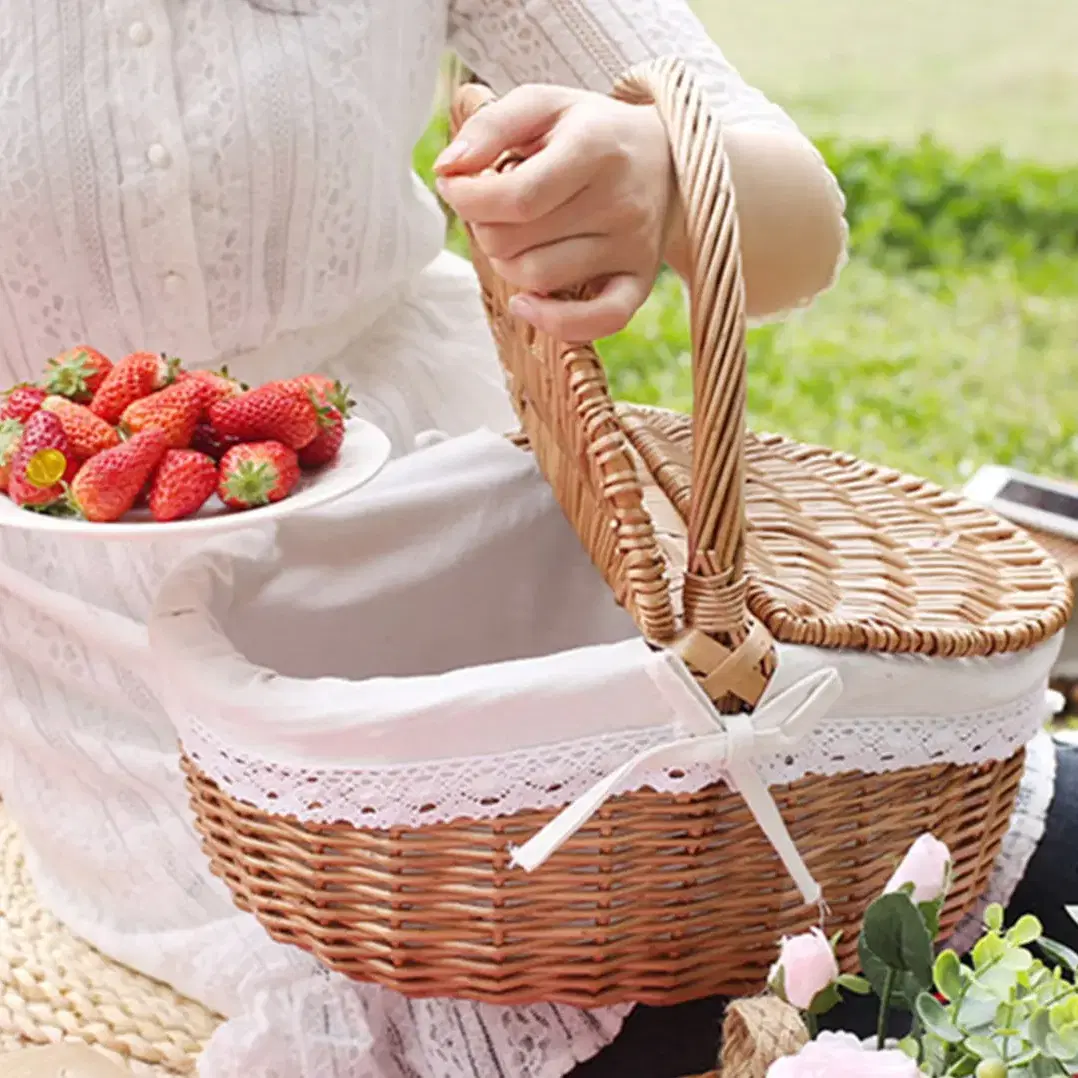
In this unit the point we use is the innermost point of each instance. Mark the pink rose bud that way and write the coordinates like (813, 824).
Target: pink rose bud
(927, 866)
(842, 1055)
(807, 966)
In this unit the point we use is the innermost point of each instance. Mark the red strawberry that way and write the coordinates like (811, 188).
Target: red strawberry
(267, 414)
(207, 440)
(10, 435)
(21, 402)
(326, 390)
(183, 484)
(108, 485)
(257, 473)
(176, 410)
(221, 383)
(134, 377)
(42, 464)
(87, 434)
(77, 373)
(328, 443)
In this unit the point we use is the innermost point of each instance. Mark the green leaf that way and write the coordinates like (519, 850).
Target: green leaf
(1058, 1047)
(1059, 954)
(1027, 929)
(777, 984)
(909, 1046)
(981, 1047)
(1024, 1059)
(947, 975)
(930, 914)
(987, 951)
(998, 981)
(934, 1052)
(895, 933)
(903, 992)
(975, 1013)
(825, 1000)
(993, 917)
(1068, 1041)
(1016, 958)
(858, 985)
(1043, 1067)
(936, 1020)
(1040, 1029)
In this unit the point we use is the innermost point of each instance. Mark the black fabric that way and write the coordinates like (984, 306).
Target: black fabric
(674, 1042)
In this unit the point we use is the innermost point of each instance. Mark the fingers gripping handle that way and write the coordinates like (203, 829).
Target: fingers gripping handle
(714, 594)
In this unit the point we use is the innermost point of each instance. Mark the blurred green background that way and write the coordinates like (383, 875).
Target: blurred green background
(951, 338)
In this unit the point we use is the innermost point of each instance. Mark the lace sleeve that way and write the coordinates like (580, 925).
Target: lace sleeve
(589, 43)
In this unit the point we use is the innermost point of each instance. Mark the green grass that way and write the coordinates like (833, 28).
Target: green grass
(930, 374)
(935, 373)
(975, 73)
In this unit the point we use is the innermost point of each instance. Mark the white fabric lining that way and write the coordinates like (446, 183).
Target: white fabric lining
(452, 533)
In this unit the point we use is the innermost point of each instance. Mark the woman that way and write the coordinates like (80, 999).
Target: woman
(229, 180)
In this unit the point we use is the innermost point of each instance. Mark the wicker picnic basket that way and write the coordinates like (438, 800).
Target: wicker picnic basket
(718, 545)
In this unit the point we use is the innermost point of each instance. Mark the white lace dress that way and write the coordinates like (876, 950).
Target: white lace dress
(229, 181)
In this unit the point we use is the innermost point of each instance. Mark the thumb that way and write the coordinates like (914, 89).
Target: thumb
(515, 121)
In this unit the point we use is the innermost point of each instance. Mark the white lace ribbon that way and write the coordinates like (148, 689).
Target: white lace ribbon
(738, 742)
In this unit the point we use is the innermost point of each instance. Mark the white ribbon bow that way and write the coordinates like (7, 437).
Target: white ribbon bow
(739, 741)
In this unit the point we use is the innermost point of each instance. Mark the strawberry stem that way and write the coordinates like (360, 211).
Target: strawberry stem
(68, 505)
(251, 482)
(173, 367)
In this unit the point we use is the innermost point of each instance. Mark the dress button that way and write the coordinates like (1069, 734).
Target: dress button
(158, 156)
(173, 283)
(138, 33)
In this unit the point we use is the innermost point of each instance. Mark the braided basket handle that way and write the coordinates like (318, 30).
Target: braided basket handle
(729, 650)
(714, 581)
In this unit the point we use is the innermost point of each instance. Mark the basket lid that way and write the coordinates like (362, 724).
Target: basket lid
(719, 543)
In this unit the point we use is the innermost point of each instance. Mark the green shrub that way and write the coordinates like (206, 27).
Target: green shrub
(927, 206)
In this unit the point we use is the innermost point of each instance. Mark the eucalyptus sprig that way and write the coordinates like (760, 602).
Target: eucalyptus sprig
(1010, 1010)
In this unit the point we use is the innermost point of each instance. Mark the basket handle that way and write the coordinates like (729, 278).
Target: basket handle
(714, 579)
(727, 643)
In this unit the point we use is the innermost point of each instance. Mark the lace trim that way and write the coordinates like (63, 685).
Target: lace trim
(550, 776)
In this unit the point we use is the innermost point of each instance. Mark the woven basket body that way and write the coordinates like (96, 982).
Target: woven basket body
(717, 544)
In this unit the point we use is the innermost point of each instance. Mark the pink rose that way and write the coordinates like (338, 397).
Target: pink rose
(842, 1055)
(807, 965)
(927, 866)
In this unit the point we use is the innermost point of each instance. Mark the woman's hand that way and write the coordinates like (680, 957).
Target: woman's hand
(590, 204)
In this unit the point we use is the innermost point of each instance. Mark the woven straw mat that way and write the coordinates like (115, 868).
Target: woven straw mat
(58, 989)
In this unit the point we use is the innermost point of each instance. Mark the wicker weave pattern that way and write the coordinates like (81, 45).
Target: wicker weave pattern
(846, 554)
(660, 898)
